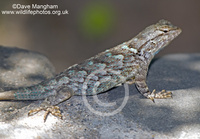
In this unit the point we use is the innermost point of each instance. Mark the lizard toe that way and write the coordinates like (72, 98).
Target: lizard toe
(160, 95)
(54, 110)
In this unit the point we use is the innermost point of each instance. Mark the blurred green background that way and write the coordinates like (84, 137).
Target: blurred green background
(93, 26)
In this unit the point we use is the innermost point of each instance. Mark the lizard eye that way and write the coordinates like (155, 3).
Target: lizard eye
(165, 30)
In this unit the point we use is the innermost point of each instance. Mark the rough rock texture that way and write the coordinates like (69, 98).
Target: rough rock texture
(140, 118)
(19, 68)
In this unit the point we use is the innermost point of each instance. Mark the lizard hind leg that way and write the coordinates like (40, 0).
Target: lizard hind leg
(46, 106)
(49, 105)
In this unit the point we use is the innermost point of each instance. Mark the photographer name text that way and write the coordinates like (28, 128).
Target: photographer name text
(34, 6)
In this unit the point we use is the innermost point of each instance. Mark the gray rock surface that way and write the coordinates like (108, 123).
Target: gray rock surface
(20, 68)
(139, 118)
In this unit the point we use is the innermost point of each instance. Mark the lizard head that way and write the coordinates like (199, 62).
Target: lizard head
(156, 37)
(166, 33)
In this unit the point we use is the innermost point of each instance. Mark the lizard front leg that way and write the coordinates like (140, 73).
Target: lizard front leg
(140, 82)
(50, 103)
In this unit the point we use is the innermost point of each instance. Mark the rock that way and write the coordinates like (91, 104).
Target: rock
(20, 68)
(93, 117)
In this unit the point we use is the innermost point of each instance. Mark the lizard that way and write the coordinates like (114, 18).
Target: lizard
(124, 63)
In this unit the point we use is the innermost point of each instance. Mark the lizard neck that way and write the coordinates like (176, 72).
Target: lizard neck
(145, 57)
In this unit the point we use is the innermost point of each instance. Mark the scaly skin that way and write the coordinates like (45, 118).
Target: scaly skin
(125, 63)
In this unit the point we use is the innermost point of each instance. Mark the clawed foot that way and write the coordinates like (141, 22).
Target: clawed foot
(54, 110)
(160, 95)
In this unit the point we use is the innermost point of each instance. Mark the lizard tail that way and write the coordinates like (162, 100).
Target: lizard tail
(7, 95)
